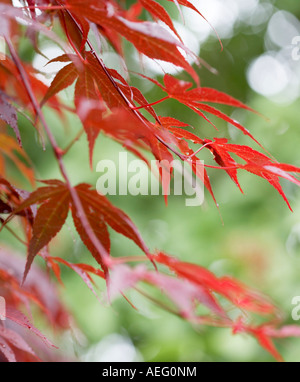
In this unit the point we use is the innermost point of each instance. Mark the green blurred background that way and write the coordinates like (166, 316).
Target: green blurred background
(259, 242)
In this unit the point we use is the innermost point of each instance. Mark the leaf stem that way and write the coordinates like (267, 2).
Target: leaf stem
(150, 104)
(13, 233)
(74, 140)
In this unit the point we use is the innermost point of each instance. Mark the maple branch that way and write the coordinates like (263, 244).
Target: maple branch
(58, 154)
(129, 104)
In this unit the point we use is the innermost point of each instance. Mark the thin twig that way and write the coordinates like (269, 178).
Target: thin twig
(13, 233)
(74, 140)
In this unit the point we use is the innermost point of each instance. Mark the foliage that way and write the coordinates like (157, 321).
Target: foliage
(105, 102)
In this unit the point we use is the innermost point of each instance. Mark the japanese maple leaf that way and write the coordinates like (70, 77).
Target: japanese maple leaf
(55, 201)
(149, 38)
(256, 163)
(194, 98)
(99, 205)
(97, 88)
